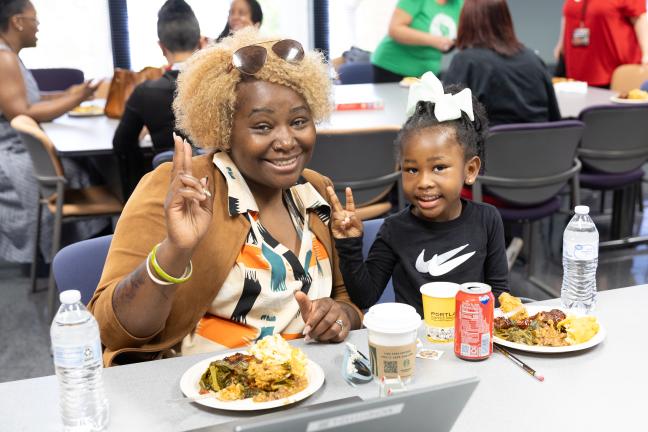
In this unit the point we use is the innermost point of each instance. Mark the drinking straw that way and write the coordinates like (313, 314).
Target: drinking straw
(519, 362)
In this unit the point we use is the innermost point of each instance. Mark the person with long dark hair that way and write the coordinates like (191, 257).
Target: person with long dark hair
(509, 79)
(242, 13)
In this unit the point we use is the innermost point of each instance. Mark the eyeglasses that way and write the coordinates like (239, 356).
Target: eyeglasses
(250, 59)
(30, 18)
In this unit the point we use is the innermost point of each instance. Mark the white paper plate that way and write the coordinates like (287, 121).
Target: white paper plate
(617, 99)
(189, 384)
(532, 310)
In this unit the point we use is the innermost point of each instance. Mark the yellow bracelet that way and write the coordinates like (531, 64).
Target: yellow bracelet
(150, 273)
(164, 275)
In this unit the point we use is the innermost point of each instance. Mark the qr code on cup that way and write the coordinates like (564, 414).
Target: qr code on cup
(391, 367)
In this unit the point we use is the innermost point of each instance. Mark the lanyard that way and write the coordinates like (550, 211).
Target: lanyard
(583, 12)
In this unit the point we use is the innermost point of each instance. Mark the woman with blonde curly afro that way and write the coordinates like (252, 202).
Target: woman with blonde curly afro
(215, 251)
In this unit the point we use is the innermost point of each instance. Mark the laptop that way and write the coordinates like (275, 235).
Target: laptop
(433, 408)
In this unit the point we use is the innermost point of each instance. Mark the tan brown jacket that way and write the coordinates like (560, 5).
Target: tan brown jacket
(142, 225)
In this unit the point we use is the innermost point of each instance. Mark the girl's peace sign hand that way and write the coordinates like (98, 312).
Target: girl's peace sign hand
(189, 202)
(344, 222)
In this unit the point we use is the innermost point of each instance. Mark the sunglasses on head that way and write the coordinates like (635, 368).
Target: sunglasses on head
(250, 59)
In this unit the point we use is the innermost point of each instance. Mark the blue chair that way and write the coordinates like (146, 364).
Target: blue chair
(57, 79)
(160, 158)
(167, 156)
(79, 266)
(356, 73)
(371, 228)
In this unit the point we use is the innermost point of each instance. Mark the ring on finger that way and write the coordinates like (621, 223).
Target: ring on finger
(340, 323)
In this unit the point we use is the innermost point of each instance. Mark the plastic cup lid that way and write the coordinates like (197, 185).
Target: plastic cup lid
(70, 296)
(581, 209)
(440, 289)
(392, 318)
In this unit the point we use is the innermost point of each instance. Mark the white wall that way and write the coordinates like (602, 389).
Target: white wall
(72, 33)
(362, 23)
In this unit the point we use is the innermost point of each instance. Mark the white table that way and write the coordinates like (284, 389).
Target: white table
(600, 389)
(87, 136)
(571, 104)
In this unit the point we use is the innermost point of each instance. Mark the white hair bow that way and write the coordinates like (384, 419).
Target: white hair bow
(446, 106)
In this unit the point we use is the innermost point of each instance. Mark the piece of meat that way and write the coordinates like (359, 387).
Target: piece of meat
(524, 323)
(502, 323)
(239, 357)
(555, 315)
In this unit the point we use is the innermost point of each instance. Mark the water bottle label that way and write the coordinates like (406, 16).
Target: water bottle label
(77, 356)
(581, 252)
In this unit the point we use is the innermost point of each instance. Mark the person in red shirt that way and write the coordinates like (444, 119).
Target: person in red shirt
(599, 35)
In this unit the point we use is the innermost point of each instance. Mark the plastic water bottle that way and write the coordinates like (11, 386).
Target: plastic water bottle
(77, 359)
(580, 259)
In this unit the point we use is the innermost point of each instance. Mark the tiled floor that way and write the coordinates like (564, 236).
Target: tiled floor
(25, 331)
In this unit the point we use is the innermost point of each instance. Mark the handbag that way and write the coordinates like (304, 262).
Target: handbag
(122, 85)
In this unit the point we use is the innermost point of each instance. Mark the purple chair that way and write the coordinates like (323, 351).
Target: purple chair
(527, 166)
(613, 150)
(57, 79)
(356, 73)
(79, 266)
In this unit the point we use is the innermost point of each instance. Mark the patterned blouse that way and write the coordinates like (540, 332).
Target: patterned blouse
(257, 298)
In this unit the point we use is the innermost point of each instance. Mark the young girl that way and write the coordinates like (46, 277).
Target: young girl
(439, 236)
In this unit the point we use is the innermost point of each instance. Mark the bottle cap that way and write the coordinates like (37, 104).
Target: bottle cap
(70, 296)
(581, 209)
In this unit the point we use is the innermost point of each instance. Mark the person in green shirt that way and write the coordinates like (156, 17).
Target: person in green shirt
(420, 31)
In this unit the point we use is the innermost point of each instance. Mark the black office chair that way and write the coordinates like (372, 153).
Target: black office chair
(613, 150)
(365, 161)
(526, 168)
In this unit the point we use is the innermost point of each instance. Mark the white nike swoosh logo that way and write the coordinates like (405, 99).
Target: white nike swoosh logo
(442, 264)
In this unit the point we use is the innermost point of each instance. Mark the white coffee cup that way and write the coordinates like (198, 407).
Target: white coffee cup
(392, 330)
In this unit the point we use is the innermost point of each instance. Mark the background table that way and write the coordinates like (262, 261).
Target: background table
(571, 104)
(88, 136)
(81, 136)
(603, 388)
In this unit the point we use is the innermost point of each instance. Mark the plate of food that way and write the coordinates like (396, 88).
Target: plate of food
(87, 110)
(634, 96)
(270, 374)
(543, 329)
(408, 81)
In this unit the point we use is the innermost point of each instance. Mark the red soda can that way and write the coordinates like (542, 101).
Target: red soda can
(474, 316)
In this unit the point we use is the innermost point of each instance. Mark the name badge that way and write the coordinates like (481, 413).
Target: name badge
(581, 37)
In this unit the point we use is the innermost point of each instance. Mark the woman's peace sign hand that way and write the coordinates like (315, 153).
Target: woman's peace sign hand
(189, 202)
(344, 221)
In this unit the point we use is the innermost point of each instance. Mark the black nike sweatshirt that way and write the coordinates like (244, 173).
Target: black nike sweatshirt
(414, 251)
